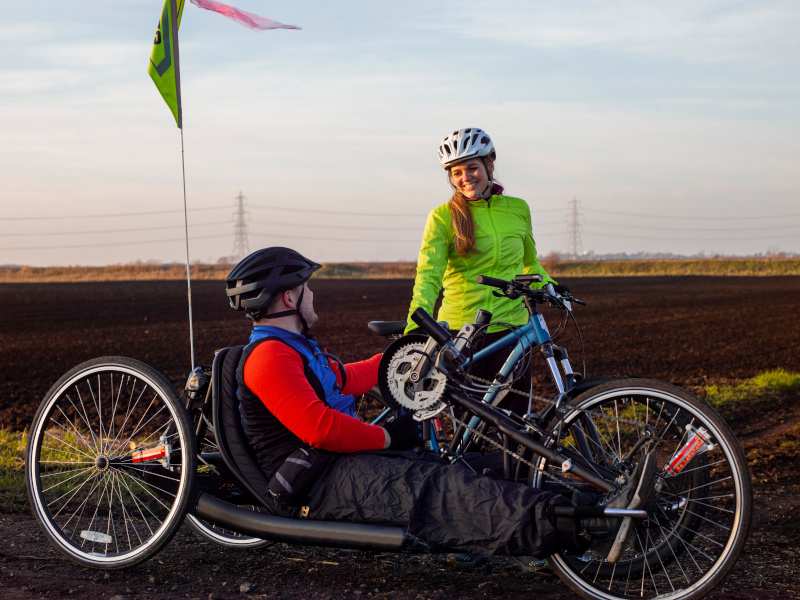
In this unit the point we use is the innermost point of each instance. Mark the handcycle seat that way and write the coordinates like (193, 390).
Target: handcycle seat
(234, 447)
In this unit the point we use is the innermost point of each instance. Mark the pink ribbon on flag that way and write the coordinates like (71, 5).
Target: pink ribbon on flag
(242, 16)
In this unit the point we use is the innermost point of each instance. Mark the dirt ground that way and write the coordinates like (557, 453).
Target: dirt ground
(689, 331)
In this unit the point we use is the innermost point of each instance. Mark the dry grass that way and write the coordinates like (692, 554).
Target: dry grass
(406, 270)
(741, 267)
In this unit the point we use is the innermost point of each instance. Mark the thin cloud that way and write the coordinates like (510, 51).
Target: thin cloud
(697, 31)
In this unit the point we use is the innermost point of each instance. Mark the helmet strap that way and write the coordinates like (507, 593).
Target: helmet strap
(285, 313)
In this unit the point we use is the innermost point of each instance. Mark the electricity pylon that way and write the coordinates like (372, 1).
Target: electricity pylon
(574, 227)
(241, 247)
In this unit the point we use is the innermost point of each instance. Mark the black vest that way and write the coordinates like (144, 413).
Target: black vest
(271, 440)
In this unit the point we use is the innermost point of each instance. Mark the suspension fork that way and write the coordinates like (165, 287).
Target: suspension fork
(549, 351)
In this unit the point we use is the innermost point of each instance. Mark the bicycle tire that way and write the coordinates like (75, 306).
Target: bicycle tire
(210, 480)
(106, 474)
(372, 408)
(700, 519)
(227, 538)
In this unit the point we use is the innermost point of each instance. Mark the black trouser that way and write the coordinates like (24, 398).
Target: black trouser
(447, 505)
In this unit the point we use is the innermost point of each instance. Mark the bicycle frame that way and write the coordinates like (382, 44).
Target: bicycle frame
(533, 333)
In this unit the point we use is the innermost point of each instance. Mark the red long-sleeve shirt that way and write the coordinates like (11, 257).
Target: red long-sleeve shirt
(274, 372)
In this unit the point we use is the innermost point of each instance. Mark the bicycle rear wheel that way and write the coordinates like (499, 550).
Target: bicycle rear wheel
(212, 479)
(699, 521)
(107, 473)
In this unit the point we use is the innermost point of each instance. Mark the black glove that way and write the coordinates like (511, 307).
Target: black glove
(562, 290)
(404, 432)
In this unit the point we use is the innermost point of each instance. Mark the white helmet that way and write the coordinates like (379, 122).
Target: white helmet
(465, 143)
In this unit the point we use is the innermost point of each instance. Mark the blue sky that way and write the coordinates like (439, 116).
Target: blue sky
(675, 125)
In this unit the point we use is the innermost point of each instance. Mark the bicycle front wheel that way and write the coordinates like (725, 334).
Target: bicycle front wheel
(110, 463)
(700, 518)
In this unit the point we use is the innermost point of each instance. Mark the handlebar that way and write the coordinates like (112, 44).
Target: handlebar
(519, 286)
(491, 281)
(431, 327)
(438, 333)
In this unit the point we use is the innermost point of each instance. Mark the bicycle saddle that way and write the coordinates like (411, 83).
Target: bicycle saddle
(387, 327)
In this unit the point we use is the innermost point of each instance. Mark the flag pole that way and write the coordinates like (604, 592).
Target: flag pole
(188, 276)
(175, 24)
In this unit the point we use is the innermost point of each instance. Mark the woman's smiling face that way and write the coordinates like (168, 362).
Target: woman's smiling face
(470, 177)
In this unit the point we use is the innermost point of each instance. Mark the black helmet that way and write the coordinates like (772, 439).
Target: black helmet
(258, 278)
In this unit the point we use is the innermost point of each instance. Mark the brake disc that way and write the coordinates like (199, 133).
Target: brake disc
(398, 361)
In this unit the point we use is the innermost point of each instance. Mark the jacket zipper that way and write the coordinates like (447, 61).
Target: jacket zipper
(496, 247)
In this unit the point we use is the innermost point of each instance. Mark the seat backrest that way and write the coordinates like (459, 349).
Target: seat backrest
(231, 437)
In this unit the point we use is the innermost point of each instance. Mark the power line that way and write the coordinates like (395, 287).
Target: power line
(108, 215)
(726, 230)
(628, 214)
(336, 212)
(101, 231)
(703, 239)
(200, 237)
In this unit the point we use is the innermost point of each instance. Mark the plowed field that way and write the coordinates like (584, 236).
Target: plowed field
(690, 331)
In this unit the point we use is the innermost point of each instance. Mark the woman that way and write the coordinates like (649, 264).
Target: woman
(479, 231)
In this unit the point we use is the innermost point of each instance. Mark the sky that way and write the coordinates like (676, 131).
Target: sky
(675, 126)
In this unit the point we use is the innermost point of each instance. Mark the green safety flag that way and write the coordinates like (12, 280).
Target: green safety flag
(164, 65)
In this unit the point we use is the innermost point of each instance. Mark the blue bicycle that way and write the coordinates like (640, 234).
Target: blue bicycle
(588, 432)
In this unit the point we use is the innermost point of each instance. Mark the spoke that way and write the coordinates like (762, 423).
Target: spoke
(131, 409)
(77, 450)
(61, 462)
(672, 551)
(708, 520)
(709, 484)
(145, 485)
(97, 407)
(666, 475)
(712, 506)
(140, 425)
(97, 508)
(658, 556)
(152, 439)
(85, 416)
(111, 527)
(125, 518)
(619, 439)
(695, 532)
(122, 482)
(63, 481)
(124, 469)
(75, 429)
(71, 462)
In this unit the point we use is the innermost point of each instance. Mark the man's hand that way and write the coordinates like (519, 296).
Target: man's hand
(403, 433)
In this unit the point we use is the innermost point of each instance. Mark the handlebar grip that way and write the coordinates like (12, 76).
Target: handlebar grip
(431, 327)
(492, 281)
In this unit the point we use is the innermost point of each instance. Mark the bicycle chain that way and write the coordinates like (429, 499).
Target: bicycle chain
(457, 421)
(473, 431)
(555, 403)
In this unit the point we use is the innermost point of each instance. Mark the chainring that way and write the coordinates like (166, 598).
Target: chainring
(396, 363)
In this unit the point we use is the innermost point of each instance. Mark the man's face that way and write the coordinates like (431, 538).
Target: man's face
(307, 307)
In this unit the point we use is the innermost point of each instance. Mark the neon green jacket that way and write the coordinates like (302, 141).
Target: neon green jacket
(504, 240)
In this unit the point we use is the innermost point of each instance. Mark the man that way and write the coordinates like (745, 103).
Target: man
(300, 421)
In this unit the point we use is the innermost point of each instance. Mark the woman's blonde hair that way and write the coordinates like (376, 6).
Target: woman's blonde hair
(463, 221)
